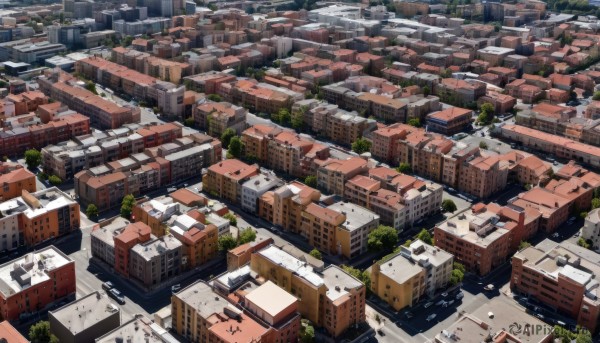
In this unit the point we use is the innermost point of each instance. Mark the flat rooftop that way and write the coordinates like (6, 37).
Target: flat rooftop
(30, 270)
(289, 262)
(271, 299)
(85, 312)
(356, 216)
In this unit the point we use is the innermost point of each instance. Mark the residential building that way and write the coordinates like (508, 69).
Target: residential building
(591, 229)
(85, 319)
(32, 282)
(553, 207)
(293, 154)
(240, 256)
(449, 121)
(199, 242)
(155, 261)
(139, 328)
(333, 174)
(416, 271)
(10, 334)
(256, 140)
(482, 176)
(478, 324)
(225, 179)
(339, 229)
(320, 300)
(284, 206)
(552, 268)
(479, 241)
(216, 117)
(255, 187)
(124, 239)
(201, 315)
(106, 191)
(14, 179)
(42, 215)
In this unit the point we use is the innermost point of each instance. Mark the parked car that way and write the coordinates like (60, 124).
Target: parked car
(441, 302)
(427, 305)
(107, 286)
(115, 294)
(445, 294)
(431, 317)
(409, 315)
(489, 287)
(175, 288)
(460, 295)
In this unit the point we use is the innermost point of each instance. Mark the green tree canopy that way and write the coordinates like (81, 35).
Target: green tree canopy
(382, 238)
(596, 96)
(448, 205)
(416, 122)
(404, 168)
(483, 145)
(127, 206)
(316, 254)
(231, 217)
(40, 333)
(311, 181)
(214, 97)
(91, 211)
(361, 145)
(307, 332)
(524, 244)
(33, 158)
(54, 180)
(595, 203)
(425, 236)
(226, 137)
(235, 147)
(247, 235)
(227, 242)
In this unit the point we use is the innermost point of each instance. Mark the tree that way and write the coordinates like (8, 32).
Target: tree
(404, 168)
(407, 243)
(448, 205)
(316, 254)
(361, 145)
(456, 277)
(227, 242)
(246, 236)
(307, 332)
(226, 137)
(311, 181)
(426, 90)
(90, 86)
(40, 333)
(416, 122)
(425, 236)
(54, 180)
(583, 336)
(297, 120)
(91, 211)
(596, 96)
(524, 245)
(486, 113)
(127, 206)
(282, 117)
(235, 147)
(33, 158)
(363, 276)
(189, 122)
(232, 218)
(483, 145)
(382, 238)
(595, 203)
(583, 214)
(583, 243)
(459, 266)
(214, 97)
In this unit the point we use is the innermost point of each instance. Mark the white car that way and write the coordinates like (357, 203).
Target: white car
(431, 317)
(460, 295)
(441, 302)
(428, 304)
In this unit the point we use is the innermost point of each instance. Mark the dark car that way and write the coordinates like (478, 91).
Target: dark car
(115, 294)
(107, 286)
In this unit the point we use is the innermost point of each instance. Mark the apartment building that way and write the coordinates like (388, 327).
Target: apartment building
(553, 207)
(216, 117)
(552, 268)
(449, 121)
(225, 179)
(479, 241)
(284, 206)
(124, 239)
(460, 92)
(34, 281)
(416, 271)
(139, 328)
(591, 228)
(201, 315)
(293, 154)
(199, 241)
(85, 319)
(155, 213)
(155, 261)
(103, 114)
(333, 174)
(106, 191)
(339, 229)
(14, 179)
(255, 187)
(256, 140)
(385, 141)
(483, 175)
(102, 239)
(331, 299)
(8, 332)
